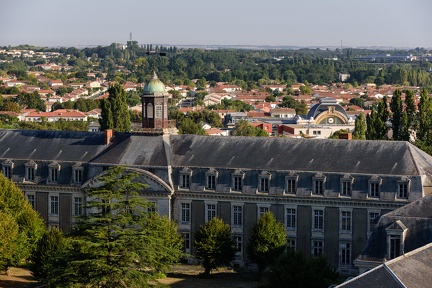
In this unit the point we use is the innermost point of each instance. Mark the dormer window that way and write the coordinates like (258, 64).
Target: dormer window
(396, 233)
(53, 172)
(211, 179)
(291, 183)
(237, 180)
(30, 171)
(185, 178)
(264, 182)
(403, 188)
(346, 185)
(7, 167)
(374, 187)
(318, 184)
(77, 173)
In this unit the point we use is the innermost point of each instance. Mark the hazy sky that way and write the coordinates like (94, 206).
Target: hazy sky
(397, 23)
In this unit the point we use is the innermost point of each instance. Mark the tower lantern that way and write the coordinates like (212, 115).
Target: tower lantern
(154, 104)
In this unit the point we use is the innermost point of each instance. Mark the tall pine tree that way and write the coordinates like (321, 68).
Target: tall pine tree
(396, 109)
(119, 242)
(115, 113)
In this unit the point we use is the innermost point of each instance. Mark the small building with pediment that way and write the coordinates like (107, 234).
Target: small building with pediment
(322, 120)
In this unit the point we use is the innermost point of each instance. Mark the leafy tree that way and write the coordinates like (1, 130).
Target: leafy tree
(214, 244)
(293, 269)
(50, 258)
(270, 98)
(267, 240)
(357, 101)
(376, 121)
(360, 127)
(305, 90)
(11, 106)
(119, 243)
(243, 128)
(114, 114)
(187, 126)
(20, 226)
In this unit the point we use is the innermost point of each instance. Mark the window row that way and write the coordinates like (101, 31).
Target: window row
(53, 204)
(210, 213)
(317, 225)
(345, 250)
(291, 182)
(53, 171)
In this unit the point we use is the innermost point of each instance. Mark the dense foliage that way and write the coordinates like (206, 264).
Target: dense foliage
(20, 226)
(267, 241)
(115, 114)
(214, 244)
(292, 269)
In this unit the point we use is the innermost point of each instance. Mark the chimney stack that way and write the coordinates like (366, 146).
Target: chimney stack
(346, 135)
(108, 136)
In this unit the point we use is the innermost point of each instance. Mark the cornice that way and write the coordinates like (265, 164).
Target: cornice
(290, 200)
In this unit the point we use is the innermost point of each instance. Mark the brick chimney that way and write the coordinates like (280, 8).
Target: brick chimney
(108, 136)
(346, 135)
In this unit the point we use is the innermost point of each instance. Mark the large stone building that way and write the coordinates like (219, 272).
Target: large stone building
(326, 192)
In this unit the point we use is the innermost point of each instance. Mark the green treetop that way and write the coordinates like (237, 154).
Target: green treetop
(115, 114)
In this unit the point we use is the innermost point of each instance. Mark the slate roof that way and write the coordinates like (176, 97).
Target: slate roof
(261, 153)
(330, 155)
(50, 145)
(135, 150)
(416, 216)
(412, 270)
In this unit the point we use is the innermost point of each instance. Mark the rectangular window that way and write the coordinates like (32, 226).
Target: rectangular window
(291, 186)
(237, 183)
(238, 243)
(31, 199)
(319, 186)
(262, 210)
(54, 205)
(403, 190)
(53, 174)
(186, 242)
(345, 221)
(395, 246)
(78, 206)
(374, 189)
(211, 182)
(346, 188)
(237, 216)
(291, 218)
(318, 220)
(78, 175)
(345, 253)
(185, 212)
(291, 243)
(185, 181)
(317, 248)
(372, 217)
(7, 171)
(264, 185)
(30, 174)
(151, 207)
(211, 211)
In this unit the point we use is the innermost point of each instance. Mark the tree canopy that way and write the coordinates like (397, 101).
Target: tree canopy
(267, 240)
(214, 244)
(115, 114)
(119, 242)
(20, 226)
(243, 128)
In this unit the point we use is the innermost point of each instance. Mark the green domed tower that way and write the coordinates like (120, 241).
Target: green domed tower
(154, 104)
